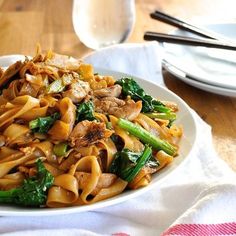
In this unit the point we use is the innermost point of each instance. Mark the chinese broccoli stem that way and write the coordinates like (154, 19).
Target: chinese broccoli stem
(141, 163)
(147, 137)
(60, 149)
(164, 116)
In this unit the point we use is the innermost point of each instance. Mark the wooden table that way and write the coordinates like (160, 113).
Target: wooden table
(23, 23)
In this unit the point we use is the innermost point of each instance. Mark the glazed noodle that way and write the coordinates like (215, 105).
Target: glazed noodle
(95, 136)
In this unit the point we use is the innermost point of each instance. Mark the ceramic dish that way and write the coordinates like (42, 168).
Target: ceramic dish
(185, 77)
(212, 67)
(185, 117)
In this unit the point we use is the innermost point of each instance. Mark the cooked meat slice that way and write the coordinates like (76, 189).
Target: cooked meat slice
(112, 91)
(10, 72)
(77, 91)
(88, 132)
(129, 111)
(105, 104)
(118, 101)
(122, 109)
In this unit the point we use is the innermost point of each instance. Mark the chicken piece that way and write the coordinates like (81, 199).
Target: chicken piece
(129, 111)
(112, 91)
(105, 104)
(88, 132)
(77, 91)
(119, 108)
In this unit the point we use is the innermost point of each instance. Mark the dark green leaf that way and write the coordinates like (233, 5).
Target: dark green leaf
(152, 162)
(85, 111)
(127, 164)
(43, 124)
(130, 87)
(33, 192)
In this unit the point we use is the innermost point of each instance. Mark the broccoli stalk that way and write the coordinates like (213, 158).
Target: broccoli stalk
(140, 163)
(33, 192)
(165, 116)
(60, 149)
(146, 137)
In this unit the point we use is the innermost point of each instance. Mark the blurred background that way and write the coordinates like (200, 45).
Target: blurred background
(49, 22)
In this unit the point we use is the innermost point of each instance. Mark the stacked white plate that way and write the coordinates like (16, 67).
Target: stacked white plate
(212, 70)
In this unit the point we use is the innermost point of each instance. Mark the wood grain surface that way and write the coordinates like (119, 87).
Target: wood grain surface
(24, 23)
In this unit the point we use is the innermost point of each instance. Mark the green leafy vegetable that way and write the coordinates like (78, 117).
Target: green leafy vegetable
(60, 149)
(127, 164)
(33, 192)
(152, 162)
(131, 88)
(147, 137)
(43, 124)
(85, 111)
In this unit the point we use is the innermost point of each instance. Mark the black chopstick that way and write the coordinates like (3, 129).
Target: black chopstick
(176, 39)
(186, 26)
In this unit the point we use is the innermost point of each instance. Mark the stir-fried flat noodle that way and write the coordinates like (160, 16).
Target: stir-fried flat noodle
(44, 114)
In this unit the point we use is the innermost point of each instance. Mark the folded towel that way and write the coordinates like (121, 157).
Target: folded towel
(212, 213)
(197, 199)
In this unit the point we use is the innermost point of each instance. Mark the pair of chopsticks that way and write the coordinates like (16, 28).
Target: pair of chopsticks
(211, 39)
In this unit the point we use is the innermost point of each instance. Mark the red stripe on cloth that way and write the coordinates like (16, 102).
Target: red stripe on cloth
(202, 229)
(120, 234)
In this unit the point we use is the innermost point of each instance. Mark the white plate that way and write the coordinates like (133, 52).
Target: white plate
(201, 85)
(7, 60)
(215, 67)
(187, 143)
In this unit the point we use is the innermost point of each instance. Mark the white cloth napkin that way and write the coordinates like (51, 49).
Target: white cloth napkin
(141, 60)
(197, 199)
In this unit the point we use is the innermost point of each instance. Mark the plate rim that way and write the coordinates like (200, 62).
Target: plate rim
(197, 84)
